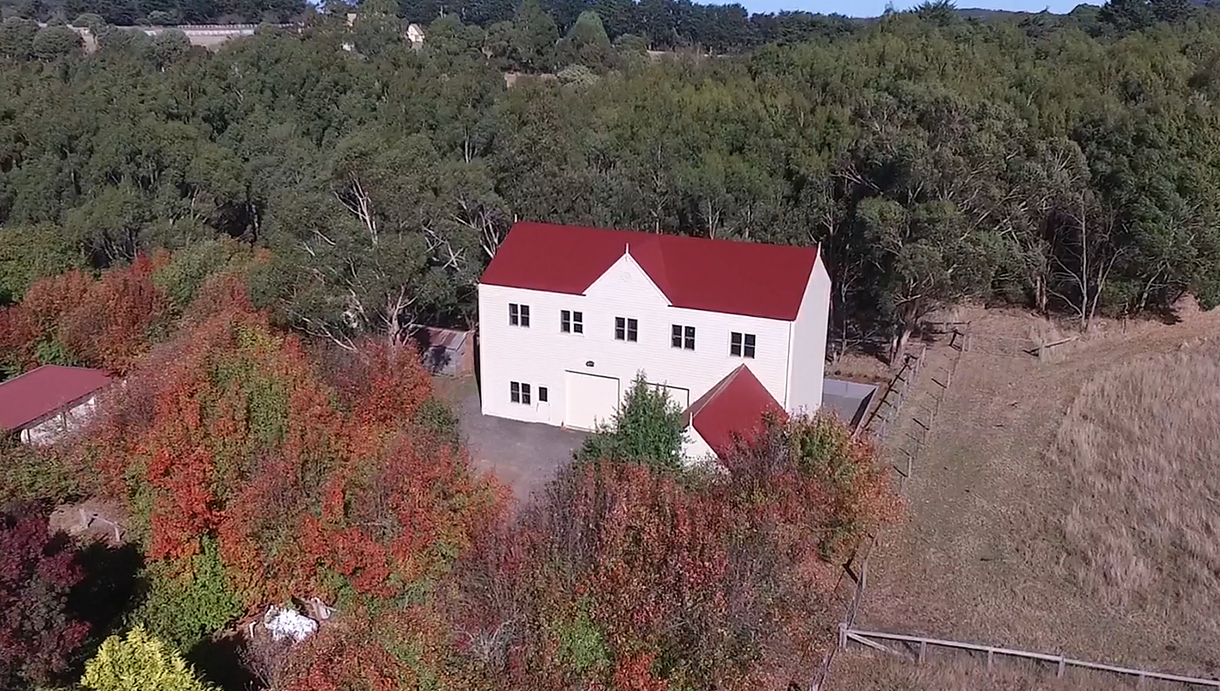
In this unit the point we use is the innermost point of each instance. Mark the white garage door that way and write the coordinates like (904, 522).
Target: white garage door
(590, 400)
(677, 394)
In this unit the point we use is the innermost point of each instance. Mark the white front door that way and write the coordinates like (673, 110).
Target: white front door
(591, 400)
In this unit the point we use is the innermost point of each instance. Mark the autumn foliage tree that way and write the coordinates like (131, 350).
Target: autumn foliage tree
(38, 634)
(74, 318)
(630, 576)
(230, 432)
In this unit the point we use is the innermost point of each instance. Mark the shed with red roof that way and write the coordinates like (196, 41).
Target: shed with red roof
(45, 402)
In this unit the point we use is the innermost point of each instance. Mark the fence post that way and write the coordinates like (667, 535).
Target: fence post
(842, 635)
(1062, 665)
(923, 649)
(989, 656)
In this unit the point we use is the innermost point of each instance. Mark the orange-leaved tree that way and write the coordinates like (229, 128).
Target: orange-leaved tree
(74, 318)
(229, 431)
(642, 577)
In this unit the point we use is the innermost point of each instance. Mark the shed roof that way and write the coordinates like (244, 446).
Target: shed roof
(746, 278)
(734, 407)
(32, 396)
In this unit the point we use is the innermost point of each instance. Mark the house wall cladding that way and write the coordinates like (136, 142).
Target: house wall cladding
(541, 354)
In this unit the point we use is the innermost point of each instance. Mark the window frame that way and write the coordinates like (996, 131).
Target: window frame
(525, 316)
(565, 321)
(682, 336)
(525, 394)
(514, 391)
(544, 396)
(627, 329)
(742, 344)
(514, 314)
(578, 322)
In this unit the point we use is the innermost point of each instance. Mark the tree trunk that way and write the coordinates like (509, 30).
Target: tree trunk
(898, 344)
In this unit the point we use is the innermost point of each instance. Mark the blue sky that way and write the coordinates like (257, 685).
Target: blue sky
(872, 8)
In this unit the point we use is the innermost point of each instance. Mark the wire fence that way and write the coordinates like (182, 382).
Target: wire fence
(871, 639)
(881, 425)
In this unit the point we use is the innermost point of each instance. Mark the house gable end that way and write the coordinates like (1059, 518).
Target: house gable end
(626, 275)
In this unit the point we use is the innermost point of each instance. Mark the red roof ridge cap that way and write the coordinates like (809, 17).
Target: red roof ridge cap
(711, 394)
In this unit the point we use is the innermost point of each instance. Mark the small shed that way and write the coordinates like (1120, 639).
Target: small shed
(48, 401)
(445, 351)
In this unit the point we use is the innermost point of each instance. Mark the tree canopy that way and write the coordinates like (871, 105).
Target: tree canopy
(1063, 163)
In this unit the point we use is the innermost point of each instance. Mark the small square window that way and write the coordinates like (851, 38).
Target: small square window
(514, 314)
(626, 329)
(543, 395)
(571, 322)
(682, 337)
(525, 394)
(741, 345)
(514, 389)
(525, 315)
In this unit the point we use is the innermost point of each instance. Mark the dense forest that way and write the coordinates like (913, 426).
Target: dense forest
(1040, 163)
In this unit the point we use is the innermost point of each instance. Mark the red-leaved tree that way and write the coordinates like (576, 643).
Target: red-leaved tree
(106, 322)
(38, 636)
(626, 576)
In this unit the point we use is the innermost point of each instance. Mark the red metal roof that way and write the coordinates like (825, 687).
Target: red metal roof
(40, 392)
(733, 407)
(745, 278)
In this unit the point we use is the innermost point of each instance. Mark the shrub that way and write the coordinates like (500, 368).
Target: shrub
(183, 609)
(139, 662)
(32, 474)
(37, 573)
(648, 428)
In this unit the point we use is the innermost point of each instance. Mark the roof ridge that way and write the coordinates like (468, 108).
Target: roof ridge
(711, 394)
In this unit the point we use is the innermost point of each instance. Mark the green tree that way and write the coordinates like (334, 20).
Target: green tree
(139, 662)
(647, 428)
(54, 42)
(184, 609)
(91, 21)
(17, 37)
(586, 44)
(534, 37)
(28, 253)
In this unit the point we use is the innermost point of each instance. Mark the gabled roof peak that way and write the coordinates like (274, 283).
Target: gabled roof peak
(746, 278)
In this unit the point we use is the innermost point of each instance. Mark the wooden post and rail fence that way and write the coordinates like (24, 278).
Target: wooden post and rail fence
(877, 425)
(920, 645)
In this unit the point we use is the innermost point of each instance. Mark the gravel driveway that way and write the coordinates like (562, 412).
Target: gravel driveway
(524, 454)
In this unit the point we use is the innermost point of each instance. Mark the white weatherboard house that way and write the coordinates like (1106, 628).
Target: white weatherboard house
(569, 315)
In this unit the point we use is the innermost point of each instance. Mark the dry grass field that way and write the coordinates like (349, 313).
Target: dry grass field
(877, 672)
(1064, 503)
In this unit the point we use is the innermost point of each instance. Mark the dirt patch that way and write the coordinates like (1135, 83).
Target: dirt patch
(982, 555)
(525, 455)
(104, 520)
